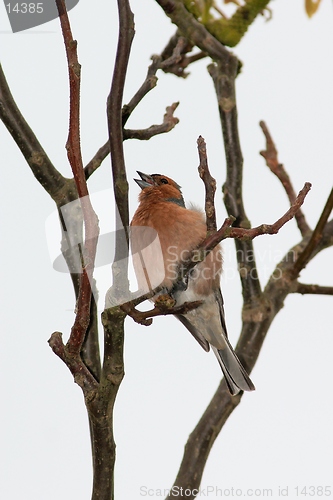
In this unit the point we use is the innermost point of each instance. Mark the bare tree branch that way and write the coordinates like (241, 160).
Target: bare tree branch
(158, 62)
(82, 318)
(224, 74)
(169, 122)
(181, 63)
(303, 289)
(101, 407)
(61, 190)
(149, 83)
(271, 157)
(210, 186)
(80, 372)
(164, 306)
(114, 114)
(272, 228)
(226, 231)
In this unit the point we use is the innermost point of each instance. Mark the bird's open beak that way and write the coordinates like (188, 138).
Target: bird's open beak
(145, 181)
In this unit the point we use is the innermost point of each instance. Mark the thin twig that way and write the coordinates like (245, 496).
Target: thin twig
(97, 160)
(303, 289)
(127, 109)
(161, 309)
(176, 56)
(237, 232)
(210, 186)
(316, 236)
(149, 83)
(177, 68)
(271, 157)
(80, 372)
(169, 122)
(226, 231)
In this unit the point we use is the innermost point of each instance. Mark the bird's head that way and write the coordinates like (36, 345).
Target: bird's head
(157, 187)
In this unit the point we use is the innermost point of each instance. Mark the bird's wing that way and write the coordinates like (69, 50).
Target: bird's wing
(220, 302)
(196, 334)
(207, 325)
(233, 370)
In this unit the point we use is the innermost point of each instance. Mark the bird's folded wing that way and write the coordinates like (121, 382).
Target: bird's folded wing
(195, 332)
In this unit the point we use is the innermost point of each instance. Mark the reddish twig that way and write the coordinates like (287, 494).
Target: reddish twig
(271, 157)
(82, 318)
(226, 231)
(210, 186)
(74, 70)
(238, 232)
(249, 234)
(214, 239)
(80, 372)
(169, 122)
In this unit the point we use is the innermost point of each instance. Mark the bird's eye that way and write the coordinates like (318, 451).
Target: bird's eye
(164, 181)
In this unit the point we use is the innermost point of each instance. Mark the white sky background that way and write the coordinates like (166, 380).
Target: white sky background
(280, 435)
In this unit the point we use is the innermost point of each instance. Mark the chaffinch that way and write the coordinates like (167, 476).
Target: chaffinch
(164, 235)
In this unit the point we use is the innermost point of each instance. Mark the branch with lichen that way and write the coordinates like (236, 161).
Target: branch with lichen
(227, 31)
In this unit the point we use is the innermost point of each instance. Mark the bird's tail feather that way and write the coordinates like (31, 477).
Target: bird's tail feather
(235, 375)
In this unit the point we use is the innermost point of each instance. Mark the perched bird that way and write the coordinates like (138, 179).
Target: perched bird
(164, 234)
